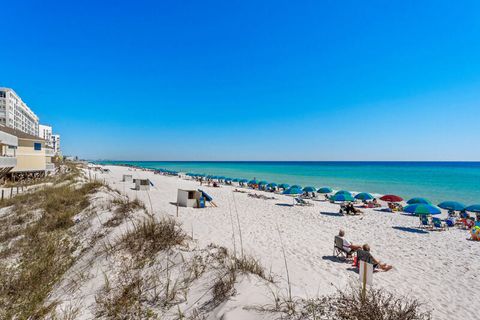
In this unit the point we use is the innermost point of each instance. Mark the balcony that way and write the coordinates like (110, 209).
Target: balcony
(7, 162)
(49, 152)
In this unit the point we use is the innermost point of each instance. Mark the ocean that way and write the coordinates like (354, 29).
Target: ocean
(436, 181)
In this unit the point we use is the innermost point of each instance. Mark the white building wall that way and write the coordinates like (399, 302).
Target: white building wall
(45, 132)
(56, 144)
(14, 113)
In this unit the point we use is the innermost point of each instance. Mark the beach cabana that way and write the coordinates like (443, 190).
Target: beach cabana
(142, 184)
(190, 198)
(127, 178)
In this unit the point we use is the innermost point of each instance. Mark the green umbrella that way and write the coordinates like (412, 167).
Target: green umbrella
(364, 196)
(418, 200)
(309, 189)
(325, 190)
(422, 209)
(342, 197)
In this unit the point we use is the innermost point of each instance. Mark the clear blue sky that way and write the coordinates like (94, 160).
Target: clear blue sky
(250, 80)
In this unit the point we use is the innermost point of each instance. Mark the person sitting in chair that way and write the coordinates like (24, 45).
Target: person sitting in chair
(347, 245)
(365, 255)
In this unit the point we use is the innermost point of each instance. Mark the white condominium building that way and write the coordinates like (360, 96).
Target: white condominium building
(15, 114)
(56, 144)
(45, 132)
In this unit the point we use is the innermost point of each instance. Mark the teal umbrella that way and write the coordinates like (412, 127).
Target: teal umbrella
(418, 201)
(284, 186)
(228, 179)
(325, 190)
(473, 208)
(342, 197)
(263, 183)
(343, 192)
(296, 186)
(309, 189)
(243, 180)
(236, 180)
(364, 196)
(271, 185)
(422, 209)
(452, 205)
(293, 191)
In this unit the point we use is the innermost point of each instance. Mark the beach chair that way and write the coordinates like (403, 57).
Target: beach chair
(439, 224)
(425, 222)
(339, 251)
(301, 202)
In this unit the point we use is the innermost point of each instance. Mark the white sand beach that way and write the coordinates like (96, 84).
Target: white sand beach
(438, 268)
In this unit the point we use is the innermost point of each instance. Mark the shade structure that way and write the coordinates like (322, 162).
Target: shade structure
(343, 192)
(364, 196)
(473, 208)
(228, 179)
(271, 185)
(293, 191)
(452, 205)
(284, 186)
(418, 200)
(325, 190)
(296, 186)
(243, 180)
(263, 183)
(391, 198)
(235, 180)
(253, 181)
(309, 189)
(422, 209)
(221, 178)
(342, 197)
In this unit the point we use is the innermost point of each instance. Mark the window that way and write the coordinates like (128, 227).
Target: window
(37, 146)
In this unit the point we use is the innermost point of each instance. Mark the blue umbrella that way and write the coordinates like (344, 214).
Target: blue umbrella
(271, 185)
(309, 189)
(418, 201)
(236, 180)
(253, 181)
(263, 183)
(473, 208)
(325, 190)
(452, 205)
(364, 196)
(343, 192)
(296, 186)
(342, 197)
(422, 209)
(243, 180)
(228, 179)
(221, 178)
(293, 191)
(284, 186)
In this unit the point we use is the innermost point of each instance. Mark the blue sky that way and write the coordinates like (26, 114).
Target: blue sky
(250, 80)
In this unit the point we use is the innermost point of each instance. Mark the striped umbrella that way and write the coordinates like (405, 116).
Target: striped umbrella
(422, 209)
(325, 190)
(452, 205)
(391, 198)
(309, 189)
(342, 197)
(364, 196)
(473, 208)
(418, 200)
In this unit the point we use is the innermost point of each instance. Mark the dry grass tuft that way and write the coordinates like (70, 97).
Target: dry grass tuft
(124, 207)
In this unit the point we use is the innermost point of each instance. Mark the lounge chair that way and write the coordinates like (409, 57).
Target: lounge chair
(439, 224)
(339, 251)
(425, 222)
(301, 202)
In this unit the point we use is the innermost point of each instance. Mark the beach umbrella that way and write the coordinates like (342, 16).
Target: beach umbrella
(342, 197)
(253, 181)
(452, 205)
(364, 196)
(325, 190)
(343, 192)
(236, 180)
(221, 178)
(296, 186)
(228, 179)
(418, 200)
(309, 189)
(391, 198)
(243, 180)
(473, 208)
(422, 209)
(271, 185)
(284, 186)
(293, 191)
(263, 183)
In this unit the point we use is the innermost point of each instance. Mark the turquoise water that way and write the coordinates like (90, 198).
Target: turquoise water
(437, 181)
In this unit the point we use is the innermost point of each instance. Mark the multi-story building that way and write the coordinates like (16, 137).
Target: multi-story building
(45, 132)
(15, 114)
(56, 144)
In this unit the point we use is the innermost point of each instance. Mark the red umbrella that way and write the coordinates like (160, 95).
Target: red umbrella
(391, 198)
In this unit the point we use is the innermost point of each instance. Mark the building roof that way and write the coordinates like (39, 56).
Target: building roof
(19, 134)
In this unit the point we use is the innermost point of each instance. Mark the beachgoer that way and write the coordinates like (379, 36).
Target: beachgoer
(376, 263)
(347, 245)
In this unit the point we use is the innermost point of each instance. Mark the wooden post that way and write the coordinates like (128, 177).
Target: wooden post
(177, 209)
(11, 192)
(3, 191)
